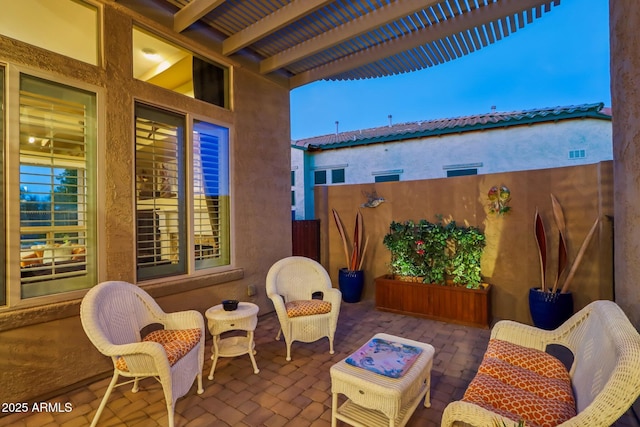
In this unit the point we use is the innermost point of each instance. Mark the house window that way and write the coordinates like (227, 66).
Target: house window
(3, 291)
(164, 64)
(387, 178)
(320, 177)
(57, 142)
(337, 176)
(162, 209)
(72, 27)
(577, 154)
(293, 178)
(211, 195)
(160, 193)
(293, 198)
(461, 172)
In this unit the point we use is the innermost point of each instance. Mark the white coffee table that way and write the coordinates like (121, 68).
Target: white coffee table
(377, 400)
(244, 318)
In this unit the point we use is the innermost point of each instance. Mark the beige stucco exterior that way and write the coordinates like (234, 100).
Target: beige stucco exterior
(43, 349)
(625, 95)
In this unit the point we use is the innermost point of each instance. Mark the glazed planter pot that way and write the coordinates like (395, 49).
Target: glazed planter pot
(549, 310)
(454, 304)
(351, 283)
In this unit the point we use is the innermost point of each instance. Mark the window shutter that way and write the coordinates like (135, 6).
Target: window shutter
(53, 185)
(159, 193)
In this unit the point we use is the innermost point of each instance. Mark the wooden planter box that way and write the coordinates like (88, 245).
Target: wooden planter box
(453, 304)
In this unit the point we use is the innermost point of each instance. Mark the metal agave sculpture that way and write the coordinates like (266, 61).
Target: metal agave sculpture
(541, 240)
(354, 261)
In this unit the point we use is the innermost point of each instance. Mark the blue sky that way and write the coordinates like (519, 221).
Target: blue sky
(561, 59)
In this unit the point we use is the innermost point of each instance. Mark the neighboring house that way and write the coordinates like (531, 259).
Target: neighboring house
(479, 144)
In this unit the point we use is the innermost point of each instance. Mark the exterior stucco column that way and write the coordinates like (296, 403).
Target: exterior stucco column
(625, 95)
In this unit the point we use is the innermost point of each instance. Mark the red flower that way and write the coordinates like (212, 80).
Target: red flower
(419, 242)
(420, 251)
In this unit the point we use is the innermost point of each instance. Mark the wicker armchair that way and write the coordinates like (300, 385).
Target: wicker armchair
(295, 280)
(605, 373)
(113, 315)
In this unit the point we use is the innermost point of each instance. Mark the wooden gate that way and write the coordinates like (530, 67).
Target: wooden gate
(306, 238)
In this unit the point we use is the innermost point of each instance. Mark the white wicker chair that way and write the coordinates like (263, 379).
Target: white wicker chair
(112, 315)
(296, 279)
(605, 374)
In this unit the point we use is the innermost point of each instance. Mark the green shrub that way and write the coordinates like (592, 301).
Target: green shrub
(436, 252)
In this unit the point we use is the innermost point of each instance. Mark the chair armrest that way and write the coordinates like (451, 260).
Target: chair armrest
(189, 319)
(472, 415)
(334, 296)
(521, 334)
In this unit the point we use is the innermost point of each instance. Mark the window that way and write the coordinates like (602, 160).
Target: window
(164, 64)
(320, 177)
(211, 195)
(72, 27)
(57, 142)
(461, 172)
(577, 154)
(293, 178)
(160, 193)
(3, 291)
(337, 176)
(162, 209)
(387, 178)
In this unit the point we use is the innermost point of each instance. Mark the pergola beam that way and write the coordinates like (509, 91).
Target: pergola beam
(475, 18)
(269, 24)
(193, 11)
(377, 18)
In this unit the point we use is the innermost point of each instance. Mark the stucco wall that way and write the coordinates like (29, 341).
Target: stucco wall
(510, 261)
(625, 92)
(514, 148)
(43, 349)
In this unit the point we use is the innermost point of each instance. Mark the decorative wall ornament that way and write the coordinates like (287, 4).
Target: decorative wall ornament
(499, 198)
(373, 201)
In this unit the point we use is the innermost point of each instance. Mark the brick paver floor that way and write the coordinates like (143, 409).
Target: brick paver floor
(296, 393)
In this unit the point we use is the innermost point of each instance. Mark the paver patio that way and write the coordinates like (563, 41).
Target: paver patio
(296, 393)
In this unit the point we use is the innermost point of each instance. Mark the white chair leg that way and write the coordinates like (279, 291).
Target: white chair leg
(200, 388)
(170, 414)
(135, 387)
(331, 345)
(279, 333)
(288, 351)
(103, 403)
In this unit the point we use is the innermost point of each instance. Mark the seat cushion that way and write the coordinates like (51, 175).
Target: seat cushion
(307, 307)
(176, 343)
(522, 383)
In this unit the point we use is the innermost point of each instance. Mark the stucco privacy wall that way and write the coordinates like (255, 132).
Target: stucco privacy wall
(625, 93)
(510, 261)
(43, 350)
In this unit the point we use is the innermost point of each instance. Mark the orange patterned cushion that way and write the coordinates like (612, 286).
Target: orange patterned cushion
(528, 358)
(307, 307)
(176, 343)
(522, 383)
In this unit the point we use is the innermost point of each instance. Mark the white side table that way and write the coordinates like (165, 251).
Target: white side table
(244, 318)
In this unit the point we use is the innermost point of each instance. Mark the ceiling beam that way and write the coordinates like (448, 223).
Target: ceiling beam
(375, 19)
(472, 19)
(193, 11)
(271, 23)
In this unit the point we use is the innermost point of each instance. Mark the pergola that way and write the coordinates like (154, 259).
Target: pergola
(307, 40)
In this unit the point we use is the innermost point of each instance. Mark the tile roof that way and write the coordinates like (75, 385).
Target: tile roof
(435, 127)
